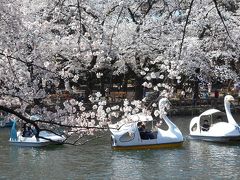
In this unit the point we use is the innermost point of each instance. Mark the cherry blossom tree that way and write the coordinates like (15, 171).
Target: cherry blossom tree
(159, 44)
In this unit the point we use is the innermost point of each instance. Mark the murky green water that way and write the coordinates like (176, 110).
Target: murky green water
(195, 160)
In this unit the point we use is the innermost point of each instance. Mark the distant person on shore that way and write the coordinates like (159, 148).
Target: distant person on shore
(216, 93)
(183, 94)
(195, 97)
(206, 95)
(209, 87)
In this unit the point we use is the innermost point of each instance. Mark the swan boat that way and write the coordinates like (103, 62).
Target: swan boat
(45, 138)
(125, 135)
(222, 126)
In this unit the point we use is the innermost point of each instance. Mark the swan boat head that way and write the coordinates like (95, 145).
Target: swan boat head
(164, 104)
(228, 99)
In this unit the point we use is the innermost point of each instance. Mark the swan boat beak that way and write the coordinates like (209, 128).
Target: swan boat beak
(230, 99)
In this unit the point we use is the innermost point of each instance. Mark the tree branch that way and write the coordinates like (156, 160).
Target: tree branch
(18, 59)
(220, 15)
(184, 30)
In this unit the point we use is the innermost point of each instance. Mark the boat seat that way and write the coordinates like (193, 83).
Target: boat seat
(148, 135)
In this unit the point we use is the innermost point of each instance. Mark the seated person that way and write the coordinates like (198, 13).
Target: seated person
(139, 124)
(150, 135)
(27, 132)
(34, 131)
(205, 126)
(144, 134)
(141, 129)
(24, 129)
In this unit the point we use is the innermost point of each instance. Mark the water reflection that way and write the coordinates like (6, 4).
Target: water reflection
(153, 164)
(215, 159)
(129, 163)
(18, 154)
(224, 158)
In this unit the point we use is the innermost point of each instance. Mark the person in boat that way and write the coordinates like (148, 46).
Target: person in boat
(24, 129)
(34, 131)
(205, 126)
(144, 134)
(149, 134)
(139, 124)
(141, 129)
(27, 131)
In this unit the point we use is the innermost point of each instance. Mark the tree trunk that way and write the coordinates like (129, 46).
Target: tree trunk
(89, 87)
(102, 88)
(138, 88)
(195, 92)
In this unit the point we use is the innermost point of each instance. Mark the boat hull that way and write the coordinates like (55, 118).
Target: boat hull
(29, 144)
(149, 146)
(37, 142)
(215, 138)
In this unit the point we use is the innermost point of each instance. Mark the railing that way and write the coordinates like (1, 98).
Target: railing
(211, 101)
(115, 96)
(191, 107)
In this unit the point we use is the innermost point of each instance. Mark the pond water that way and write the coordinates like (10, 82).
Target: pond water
(96, 160)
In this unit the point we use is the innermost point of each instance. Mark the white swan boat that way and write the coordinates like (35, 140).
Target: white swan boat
(126, 135)
(45, 138)
(222, 126)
